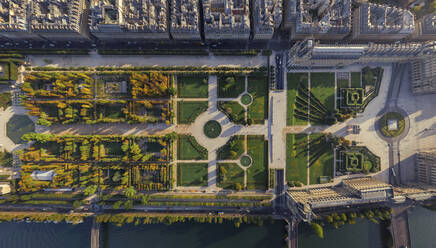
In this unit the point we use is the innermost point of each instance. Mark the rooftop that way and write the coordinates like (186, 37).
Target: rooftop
(429, 24)
(323, 16)
(13, 15)
(185, 16)
(128, 15)
(56, 15)
(385, 19)
(226, 16)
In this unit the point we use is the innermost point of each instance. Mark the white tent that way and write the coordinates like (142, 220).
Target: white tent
(43, 175)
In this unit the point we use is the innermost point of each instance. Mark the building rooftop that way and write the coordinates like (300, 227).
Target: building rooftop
(268, 15)
(429, 24)
(348, 192)
(13, 15)
(56, 15)
(185, 16)
(226, 16)
(385, 19)
(323, 16)
(128, 15)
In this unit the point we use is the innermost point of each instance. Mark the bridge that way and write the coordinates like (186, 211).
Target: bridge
(400, 227)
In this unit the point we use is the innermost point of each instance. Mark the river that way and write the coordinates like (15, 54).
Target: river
(363, 234)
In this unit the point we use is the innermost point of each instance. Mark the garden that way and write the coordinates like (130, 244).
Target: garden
(311, 154)
(392, 124)
(234, 111)
(95, 148)
(230, 176)
(192, 174)
(192, 86)
(230, 86)
(71, 97)
(257, 173)
(187, 111)
(356, 159)
(315, 104)
(189, 149)
(258, 89)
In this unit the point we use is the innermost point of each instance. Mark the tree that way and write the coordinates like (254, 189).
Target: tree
(249, 121)
(145, 199)
(76, 204)
(223, 170)
(130, 192)
(90, 190)
(128, 204)
(116, 177)
(117, 204)
(238, 186)
(317, 228)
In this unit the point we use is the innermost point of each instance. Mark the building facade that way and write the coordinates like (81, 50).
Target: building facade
(129, 19)
(185, 20)
(426, 167)
(226, 19)
(423, 74)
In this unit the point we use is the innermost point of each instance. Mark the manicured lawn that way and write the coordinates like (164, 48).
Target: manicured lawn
(392, 116)
(234, 111)
(355, 80)
(187, 112)
(5, 75)
(323, 166)
(233, 149)
(230, 86)
(5, 100)
(192, 174)
(296, 166)
(322, 86)
(17, 126)
(192, 86)
(294, 80)
(258, 88)
(233, 174)
(257, 173)
(189, 149)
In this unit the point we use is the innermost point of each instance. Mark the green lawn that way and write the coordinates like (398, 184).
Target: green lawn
(296, 166)
(322, 86)
(355, 80)
(230, 86)
(189, 149)
(192, 86)
(5, 74)
(192, 174)
(294, 80)
(187, 112)
(234, 111)
(321, 167)
(258, 88)
(257, 173)
(234, 174)
(17, 126)
(234, 148)
(5, 100)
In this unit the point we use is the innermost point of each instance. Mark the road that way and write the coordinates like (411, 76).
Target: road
(399, 74)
